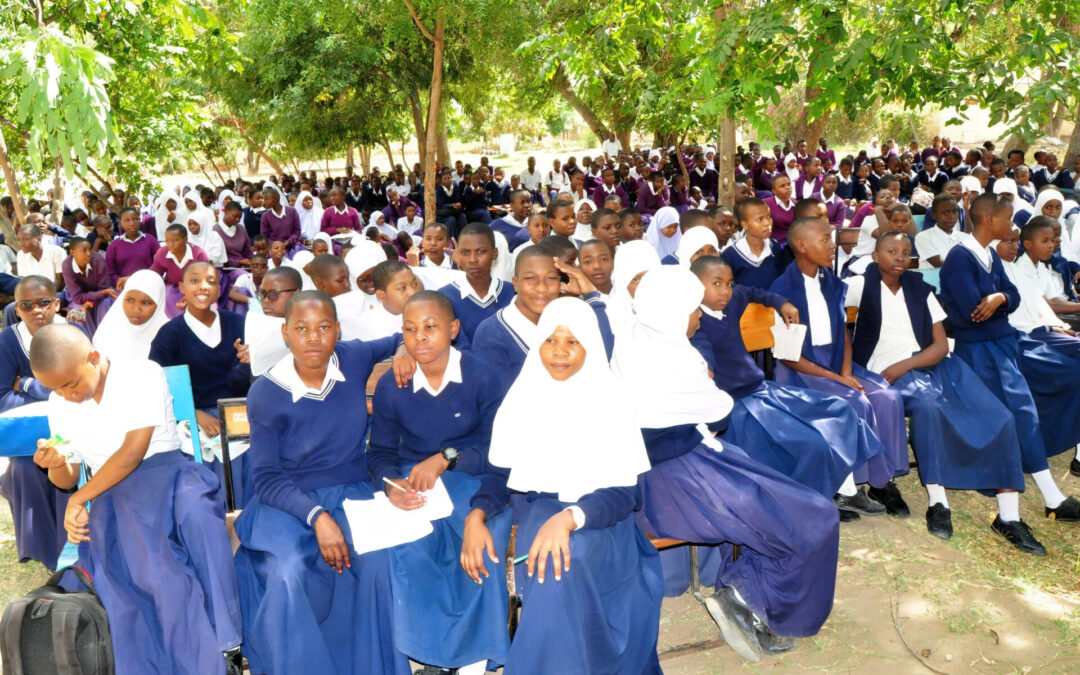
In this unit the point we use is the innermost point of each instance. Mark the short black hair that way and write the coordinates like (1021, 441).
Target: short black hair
(382, 273)
(432, 296)
(126, 209)
(177, 228)
(693, 218)
(891, 234)
(36, 281)
(234, 206)
(627, 213)
(482, 229)
(599, 213)
(984, 205)
(1015, 152)
(200, 263)
(556, 245)
(700, 266)
(260, 237)
(740, 207)
(534, 251)
(800, 224)
(803, 207)
(557, 204)
(77, 241)
(597, 242)
(310, 296)
(438, 225)
(887, 180)
(1027, 233)
(289, 274)
(324, 265)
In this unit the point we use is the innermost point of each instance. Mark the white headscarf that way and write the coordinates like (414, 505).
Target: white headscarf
(792, 172)
(116, 337)
(664, 245)
(692, 240)
(874, 149)
(323, 236)
(1007, 186)
(665, 376)
(362, 257)
(1045, 197)
(582, 454)
(970, 184)
(219, 205)
(583, 232)
(208, 240)
(161, 214)
(300, 260)
(386, 228)
(631, 259)
(310, 219)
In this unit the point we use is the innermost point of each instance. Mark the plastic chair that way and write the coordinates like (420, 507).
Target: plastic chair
(232, 412)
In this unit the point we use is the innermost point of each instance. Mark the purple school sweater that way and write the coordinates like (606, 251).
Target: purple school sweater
(649, 203)
(125, 257)
(332, 220)
(600, 193)
(237, 247)
(393, 213)
(781, 219)
(88, 287)
(285, 227)
(167, 267)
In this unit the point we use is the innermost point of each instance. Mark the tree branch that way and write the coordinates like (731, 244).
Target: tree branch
(7, 123)
(419, 24)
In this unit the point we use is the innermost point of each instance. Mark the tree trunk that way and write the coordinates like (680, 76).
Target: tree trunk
(623, 135)
(812, 132)
(1074, 142)
(270, 160)
(566, 90)
(725, 160)
(418, 122)
(365, 159)
(443, 148)
(434, 123)
(13, 189)
(250, 160)
(56, 208)
(1014, 142)
(389, 152)
(349, 162)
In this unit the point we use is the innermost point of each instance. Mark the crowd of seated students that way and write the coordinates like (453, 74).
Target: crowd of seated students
(566, 356)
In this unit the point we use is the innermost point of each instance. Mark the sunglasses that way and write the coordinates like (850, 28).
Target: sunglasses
(273, 295)
(27, 305)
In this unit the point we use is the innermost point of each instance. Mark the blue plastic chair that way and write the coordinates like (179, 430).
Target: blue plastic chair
(932, 277)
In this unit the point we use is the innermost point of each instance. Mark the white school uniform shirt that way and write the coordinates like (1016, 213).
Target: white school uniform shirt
(742, 247)
(818, 321)
(896, 340)
(982, 253)
(136, 396)
(1033, 281)
(405, 225)
(208, 335)
(935, 241)
(557, 181)
(611, 148)
(531, 180)
(284, 373)
(50, 265)
(7, 258)
(247, 283)
(452, 374)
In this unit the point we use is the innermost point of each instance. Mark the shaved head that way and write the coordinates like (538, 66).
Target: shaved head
(804, 227)
(58, 349)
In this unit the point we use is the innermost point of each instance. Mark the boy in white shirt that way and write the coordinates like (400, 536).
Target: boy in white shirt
(934, 243)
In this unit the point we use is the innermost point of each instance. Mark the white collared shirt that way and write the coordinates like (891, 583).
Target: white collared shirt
(452, 374)
(208, 335)
(818, 309)
(1033, 281)
(743, 247)
(526, 330)
(982, 253)
(188, 257)
(896, 339)
(935, 241)
(285, 375)
(50, 266)
(493, 290)
(124, 238)
(23, 333)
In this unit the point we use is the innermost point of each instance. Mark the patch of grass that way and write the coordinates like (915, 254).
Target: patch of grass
(15, 578)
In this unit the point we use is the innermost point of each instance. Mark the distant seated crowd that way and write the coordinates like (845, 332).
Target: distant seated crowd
(565, 358)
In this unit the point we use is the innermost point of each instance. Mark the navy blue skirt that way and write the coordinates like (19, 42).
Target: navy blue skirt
(997, 364)
(790, 534)
(603, 616)
(37, 510)
(441, 616)
(878, 405)
(1050, 363)
(811, 437)
(300, 616)
(162, 565)
(963, 437)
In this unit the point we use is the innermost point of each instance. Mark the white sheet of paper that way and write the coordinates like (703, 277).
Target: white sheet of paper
(788, 341)
(266, 346)
(377, 524)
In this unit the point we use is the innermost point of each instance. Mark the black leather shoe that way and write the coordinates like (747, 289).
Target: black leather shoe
(1019, 535)
(859, 503)
(234, 662)
(890, 497)
(736, 623)
(939, 521)
(770, 642)
(1067, 511)
(848, 516)
(1074, 467)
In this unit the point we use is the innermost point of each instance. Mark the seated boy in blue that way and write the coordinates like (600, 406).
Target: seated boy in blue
(310, 606)
(826, 365)
(514, 224)
(37, 505)
(591, 583)
(154, 540)
(456, 395)
(813, 438)
(479, 295)
(754, 259)
(208, 341)
(963, 437)
(504, 340)
(978, 298)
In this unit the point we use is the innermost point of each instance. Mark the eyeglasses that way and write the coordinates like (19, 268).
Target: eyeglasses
(273, 295)
(27, 305)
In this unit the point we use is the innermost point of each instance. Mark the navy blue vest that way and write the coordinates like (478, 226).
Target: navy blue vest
(868, 323)
(790, 284)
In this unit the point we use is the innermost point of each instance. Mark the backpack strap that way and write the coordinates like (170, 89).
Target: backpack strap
(65, 629)
(10, 650)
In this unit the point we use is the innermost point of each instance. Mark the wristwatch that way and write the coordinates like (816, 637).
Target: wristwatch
(450, 455)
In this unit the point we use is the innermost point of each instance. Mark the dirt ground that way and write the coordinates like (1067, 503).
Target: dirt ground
(971, 604)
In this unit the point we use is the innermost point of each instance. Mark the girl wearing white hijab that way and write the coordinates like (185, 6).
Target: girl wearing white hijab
(387, 232)
(665, 244)
(633, 260)
(224, 198)
(202, 220)
(118, 337)
(696, 242)
(351, 306)
(310, 216)
(791, 167)
(600, 612)
(782, 584)
(298, 262)
(874, 149)
(170, 211)
(583, 232)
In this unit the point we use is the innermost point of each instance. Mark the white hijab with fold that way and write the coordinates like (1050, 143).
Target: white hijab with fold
(631, 259)
(793, 172)
(161, 213)
(208, 240)
(581, 454)
(664, 217)
(692, 241)
(118, 338)
(310, 219)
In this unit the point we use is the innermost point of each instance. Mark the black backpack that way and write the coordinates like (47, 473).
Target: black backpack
(52, 631)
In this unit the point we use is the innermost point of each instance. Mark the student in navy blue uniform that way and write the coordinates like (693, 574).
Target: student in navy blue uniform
(782, 585)
(309, 604)
(931, 178)
(504, 340)
(477, 296)
(154, 540)
(813, 438)
(474, 199)
(37, 505)
(448, 208)
(208, 341)
(514, 225)
(1050, 173)
(978, 298)
(826, 365)
(755, 259)
(591, 586)
(963, 437)
(456, 395)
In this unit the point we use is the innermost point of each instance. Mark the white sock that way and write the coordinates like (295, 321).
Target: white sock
(478, 668)
(1052, 496)
(936, 492)
(1008, 506)
(848, 488)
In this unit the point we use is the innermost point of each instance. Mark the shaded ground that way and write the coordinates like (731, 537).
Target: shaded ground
(967, 605)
